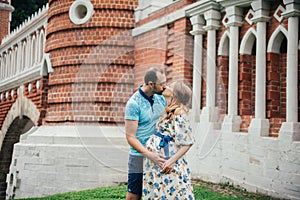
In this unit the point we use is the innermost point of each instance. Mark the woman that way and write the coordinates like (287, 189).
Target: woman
(173, 138)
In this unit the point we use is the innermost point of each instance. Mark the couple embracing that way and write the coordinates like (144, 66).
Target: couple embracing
(159, 134)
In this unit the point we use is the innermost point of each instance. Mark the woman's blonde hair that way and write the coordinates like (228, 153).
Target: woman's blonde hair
(180, 97)
(182, 93)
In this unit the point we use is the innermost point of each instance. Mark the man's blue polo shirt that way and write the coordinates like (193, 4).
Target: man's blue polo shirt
(139, 108)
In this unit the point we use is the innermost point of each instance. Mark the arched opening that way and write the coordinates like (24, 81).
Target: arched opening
(23, 56)
(18, 127)
(247, 64)
(41, 46)
(222, 74)
(276, 80)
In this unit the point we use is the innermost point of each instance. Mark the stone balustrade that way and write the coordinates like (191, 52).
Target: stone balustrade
(22, 56)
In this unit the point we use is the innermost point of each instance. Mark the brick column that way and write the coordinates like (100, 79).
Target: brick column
(5, 18)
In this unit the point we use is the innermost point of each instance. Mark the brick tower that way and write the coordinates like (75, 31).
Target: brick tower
(80, 144)
(5, 16)
(90, 47)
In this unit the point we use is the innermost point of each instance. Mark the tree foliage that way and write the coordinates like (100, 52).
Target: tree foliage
(23, 9)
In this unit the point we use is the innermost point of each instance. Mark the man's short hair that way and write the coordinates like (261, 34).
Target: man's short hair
(151, 74)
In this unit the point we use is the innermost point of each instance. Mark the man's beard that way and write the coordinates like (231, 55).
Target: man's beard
(159, 93)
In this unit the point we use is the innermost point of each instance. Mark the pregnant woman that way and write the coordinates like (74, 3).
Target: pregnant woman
(173, 138)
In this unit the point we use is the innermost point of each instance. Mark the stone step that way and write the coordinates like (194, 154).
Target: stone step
(76, 135)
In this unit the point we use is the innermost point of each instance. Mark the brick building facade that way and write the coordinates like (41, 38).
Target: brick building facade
(67, 72)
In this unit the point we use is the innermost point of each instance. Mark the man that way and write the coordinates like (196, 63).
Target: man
(142, 112)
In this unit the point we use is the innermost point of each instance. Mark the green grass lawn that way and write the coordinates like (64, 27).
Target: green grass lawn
(202, 190)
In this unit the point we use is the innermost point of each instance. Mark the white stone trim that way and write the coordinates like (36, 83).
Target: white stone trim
(276, 16)
(178, 14)
(5, 6)
(223, 49)
(33, 22)
(249, 21)
(248, 41)
(28, 75)
(81, 11)
(224, 19)
(276, 39)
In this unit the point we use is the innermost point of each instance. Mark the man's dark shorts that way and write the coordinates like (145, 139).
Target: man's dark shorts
(135, 174)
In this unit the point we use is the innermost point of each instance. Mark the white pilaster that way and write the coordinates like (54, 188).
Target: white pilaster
(232, 121)
(260, 124)
(292, 70)
(198, 31)
(210, 112)
(291, 128)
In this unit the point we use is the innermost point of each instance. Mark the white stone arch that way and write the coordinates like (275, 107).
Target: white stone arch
(14, 60)
(22, 107)
(41, 45)
(28, 53)
(23, 55)
(33, 51)
(223, 49)
(8, 62)
(248, 41)
(4, 66)
(276, 39)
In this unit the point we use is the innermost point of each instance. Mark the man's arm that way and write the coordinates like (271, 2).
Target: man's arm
(131, 128)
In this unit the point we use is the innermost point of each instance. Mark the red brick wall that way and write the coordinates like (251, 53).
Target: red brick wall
(93, 63)
(170, 46)
(5, 104)
(150, 50)
(37, 96)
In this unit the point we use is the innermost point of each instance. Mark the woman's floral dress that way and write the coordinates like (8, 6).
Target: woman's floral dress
(177, 184)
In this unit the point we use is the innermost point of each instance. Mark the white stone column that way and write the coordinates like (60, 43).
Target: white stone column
(292, 70)
(260, 125)
(198, 31)
(232, 121)
(210, 111)
(291, 128)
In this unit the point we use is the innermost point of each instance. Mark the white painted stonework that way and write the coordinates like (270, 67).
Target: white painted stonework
(259, 164)
(57, 159)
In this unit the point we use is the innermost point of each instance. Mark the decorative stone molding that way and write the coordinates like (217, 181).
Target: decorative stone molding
(147, 7)
(234, 15)
(81, 11)
(261, 11)
(212, 18)
(278, 13)
(30, 74)
(198, 23)
(30, 23)
(5, 6)
(223, 49)
(200, 7)
(248, 41)
(276, 39)
(292, 8)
